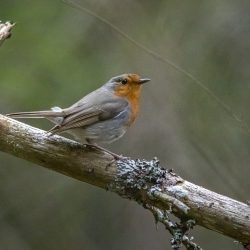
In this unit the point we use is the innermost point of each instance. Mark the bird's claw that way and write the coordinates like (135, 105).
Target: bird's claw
(116, 156)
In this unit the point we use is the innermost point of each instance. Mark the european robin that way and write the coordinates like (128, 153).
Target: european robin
(102, 116)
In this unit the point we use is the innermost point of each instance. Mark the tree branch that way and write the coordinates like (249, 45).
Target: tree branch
(156, 188)
(5, 31)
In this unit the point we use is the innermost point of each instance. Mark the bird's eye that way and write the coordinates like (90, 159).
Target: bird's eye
(124, 81)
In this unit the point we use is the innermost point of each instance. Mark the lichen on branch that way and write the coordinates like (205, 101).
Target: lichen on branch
(154, 187)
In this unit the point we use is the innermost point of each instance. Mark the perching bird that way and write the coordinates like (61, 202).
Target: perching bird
(103, 116)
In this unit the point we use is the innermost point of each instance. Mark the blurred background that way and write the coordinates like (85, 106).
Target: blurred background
(58, 54)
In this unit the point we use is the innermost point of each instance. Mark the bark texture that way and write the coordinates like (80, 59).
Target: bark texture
(156, 188)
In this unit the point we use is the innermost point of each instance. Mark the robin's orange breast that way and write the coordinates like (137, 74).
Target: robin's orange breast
(132, 93)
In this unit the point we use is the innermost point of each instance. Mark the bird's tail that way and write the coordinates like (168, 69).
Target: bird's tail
(37, 114)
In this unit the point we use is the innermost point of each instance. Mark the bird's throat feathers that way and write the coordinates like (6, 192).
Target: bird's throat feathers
(132, 93)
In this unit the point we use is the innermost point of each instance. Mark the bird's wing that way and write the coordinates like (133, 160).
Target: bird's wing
(88, 111)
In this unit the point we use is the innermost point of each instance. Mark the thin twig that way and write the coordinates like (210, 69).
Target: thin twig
(5, 31)
(226, 107)
(178, 231)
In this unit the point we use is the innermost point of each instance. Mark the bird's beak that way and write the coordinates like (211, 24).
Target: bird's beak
(144, 80)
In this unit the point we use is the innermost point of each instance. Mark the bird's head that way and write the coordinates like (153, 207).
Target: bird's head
(127, 85)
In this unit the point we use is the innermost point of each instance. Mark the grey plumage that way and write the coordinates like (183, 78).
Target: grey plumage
(101, 116)
(89, 118)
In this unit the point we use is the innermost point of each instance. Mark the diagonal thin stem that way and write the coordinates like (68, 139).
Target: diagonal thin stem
(209, 92)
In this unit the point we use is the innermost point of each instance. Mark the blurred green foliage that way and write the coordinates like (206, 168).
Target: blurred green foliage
(57, 54)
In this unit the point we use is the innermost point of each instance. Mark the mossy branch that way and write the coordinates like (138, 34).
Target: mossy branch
(156, 188)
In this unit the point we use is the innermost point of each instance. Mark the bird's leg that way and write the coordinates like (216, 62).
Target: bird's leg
(94, 145)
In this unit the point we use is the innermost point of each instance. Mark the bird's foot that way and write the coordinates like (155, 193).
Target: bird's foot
(116, 156)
